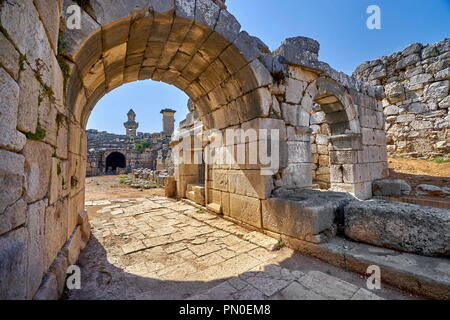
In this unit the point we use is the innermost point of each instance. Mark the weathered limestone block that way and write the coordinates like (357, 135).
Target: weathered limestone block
(37, 169)
(395, 92)
(62, 138)
(227, 26)
(21, 20)
(59, 269)
(249, 47)
(13, 217)
(432, 191)
(47, 113)
(74, 246)
(437, 90)
(49, 15)
(74, 40)
(13, 265)
(407, 61)
(299, 152)
(9, 57)
(307, 213)
(11, 178)
(400, 226)
(9, 100)
(107, 11)
(196, 193)
(36, 245)
(171, 187)
(55, 231)
(297, 175)
(391, 187)
(294, 91)
(246, 209)
(249, 183)
(28, 100)
(83, 222)
(49, 288)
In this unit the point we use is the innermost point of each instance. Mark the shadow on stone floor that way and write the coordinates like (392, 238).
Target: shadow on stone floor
(102, 280)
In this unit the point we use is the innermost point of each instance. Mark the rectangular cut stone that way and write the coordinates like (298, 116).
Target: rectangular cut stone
(13, 265)
(36, 244)
(37, 168)
(9, 100)
(245, 209)
(250, 183)
(298, 175)
(28, 101)
(11, 178)
(9, 57)
(297, 219)
(55, 231)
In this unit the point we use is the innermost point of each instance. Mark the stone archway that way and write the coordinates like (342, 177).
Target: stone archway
(115, 160)
(196, 46)
(349, 141)
(51, 78)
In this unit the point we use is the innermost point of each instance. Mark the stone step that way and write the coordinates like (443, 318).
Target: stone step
(292, 285)
(421, 275)
(316, 285)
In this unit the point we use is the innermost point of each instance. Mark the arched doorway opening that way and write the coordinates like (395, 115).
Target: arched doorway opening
(115, 160)
(195, 46)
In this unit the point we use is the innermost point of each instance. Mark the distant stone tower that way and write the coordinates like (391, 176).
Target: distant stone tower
(168, 121)
(131, 125)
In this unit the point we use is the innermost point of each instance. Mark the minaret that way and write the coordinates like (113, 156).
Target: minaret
(131, 125)
(168, 121)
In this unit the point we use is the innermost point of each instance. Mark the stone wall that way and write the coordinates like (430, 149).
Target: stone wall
(43, 225)
(101, 144)
(416, 84)
(52, 77)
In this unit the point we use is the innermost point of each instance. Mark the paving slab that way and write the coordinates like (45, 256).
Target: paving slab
(159, 249)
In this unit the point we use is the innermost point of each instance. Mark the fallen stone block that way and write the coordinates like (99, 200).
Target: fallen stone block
(391, 188)
(401, 226)
(431, 191)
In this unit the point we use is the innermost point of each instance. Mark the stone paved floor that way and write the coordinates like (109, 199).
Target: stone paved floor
(161, 249)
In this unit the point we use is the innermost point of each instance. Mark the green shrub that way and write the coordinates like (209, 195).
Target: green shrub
(141, 146)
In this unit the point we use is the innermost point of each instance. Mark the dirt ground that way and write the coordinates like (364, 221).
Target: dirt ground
(109, 188)
(416, 172)
(413, 171)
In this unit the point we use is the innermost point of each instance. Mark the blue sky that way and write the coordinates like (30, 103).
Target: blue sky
(339, 26)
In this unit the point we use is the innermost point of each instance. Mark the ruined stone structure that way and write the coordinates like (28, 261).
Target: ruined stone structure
(107, 152)
(51, 78)
(168, 121)
(416, 83)
(131, 125)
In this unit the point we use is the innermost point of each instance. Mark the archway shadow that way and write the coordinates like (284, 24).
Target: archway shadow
(101, 279)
